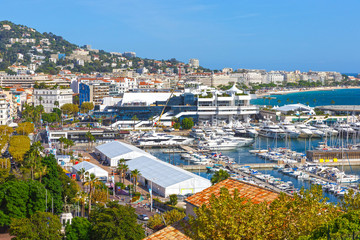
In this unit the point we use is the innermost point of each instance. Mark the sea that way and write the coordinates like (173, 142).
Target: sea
(242, 155)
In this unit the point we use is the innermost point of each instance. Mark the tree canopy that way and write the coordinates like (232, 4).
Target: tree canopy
(187, 123)
(116, 222)
(79, 229)
(41, 225)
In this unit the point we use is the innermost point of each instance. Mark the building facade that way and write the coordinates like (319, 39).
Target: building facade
(52, 98)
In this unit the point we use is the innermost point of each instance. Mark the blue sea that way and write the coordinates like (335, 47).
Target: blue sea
(314, 98)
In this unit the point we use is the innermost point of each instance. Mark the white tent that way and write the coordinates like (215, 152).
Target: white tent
(112, 152)
(233, 90)
(295, 107)
(166, 179)
(90, 168)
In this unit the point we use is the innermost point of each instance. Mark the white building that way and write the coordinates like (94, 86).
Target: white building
(275, 77)
(49, 97)
(194, 63)
(112, 152)
(90, 168)
(166, 179)
(5, 110)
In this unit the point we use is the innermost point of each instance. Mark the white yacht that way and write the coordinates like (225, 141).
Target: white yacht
(226, 143)
(326, 129)
(344, 128)
(251, 131)
(316, 132)
(271, 130)
(355, 126)
(304, 130)
(240, 130)
(289, 129)
(196, 133)
(158, 139)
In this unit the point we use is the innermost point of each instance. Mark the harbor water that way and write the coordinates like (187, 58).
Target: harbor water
(313, 98)
(242, 156)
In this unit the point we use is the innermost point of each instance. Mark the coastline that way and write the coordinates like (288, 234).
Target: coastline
(263, 94)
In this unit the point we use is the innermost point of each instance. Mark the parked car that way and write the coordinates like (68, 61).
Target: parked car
(168, 129)
(143, 217)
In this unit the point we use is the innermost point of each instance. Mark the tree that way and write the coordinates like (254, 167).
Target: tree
(219, 176)
(25, 128)
(81, 197)
(69, 109)
(5, 167)
(187, 123)
(41, 225)
(332, 102)
(92, 181)
(173, 199)
(230, 216)
(79, 229)
(87, 107)
(135, 118)
(52, 181)
(170, 218)
(116, 222)
(90, 138)
(346, 226)
(135, 174)
(56, 104)
(19, 145)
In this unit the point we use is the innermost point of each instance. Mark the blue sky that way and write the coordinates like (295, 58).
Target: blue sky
(272, 35)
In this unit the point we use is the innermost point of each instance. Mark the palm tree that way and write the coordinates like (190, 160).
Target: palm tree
(62, 140)
(332, 102)
(279, 101)
(81, 198)
(287, 100)
(125, 169)
(92, 181)
(41, 171)
(56, 104)
(90, 138)
(81, 173)
(135, 118)
(135, 174)
(219, 176)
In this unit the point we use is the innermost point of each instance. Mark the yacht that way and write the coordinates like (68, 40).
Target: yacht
(289, 129)
(316, 132)
(251, 131)
(304, 130)
(326, 129)
(355, 126)
(159, 139)
(344, 128)
(271, 130)
(196, 133)
(240, 130)
(226, 143)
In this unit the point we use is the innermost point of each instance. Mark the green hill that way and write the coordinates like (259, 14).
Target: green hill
(22, 45)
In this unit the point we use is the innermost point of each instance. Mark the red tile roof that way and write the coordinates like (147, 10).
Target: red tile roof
(170, 232)
(252, 192)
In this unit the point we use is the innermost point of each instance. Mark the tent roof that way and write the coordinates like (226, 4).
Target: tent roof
(294, 107)
(234, 89)
(161, 173)
(115, 149)
(87, 166)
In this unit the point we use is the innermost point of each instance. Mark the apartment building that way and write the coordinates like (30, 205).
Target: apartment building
(6, 110)
(50, 97)
(93, 92)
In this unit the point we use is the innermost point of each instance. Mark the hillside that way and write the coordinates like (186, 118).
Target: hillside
(49, 53)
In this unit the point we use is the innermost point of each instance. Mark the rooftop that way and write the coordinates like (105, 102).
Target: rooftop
(174, 232)
(162, 173)
(115, 149)
(255, 193)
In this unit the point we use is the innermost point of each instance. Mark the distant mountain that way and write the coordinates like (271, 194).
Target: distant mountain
(49, 53)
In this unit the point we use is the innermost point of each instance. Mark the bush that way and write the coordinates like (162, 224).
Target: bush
(173, 199)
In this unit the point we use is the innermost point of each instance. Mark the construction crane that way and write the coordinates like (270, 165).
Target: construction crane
(157, 123)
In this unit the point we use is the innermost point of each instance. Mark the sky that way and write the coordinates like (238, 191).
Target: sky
(318, 35)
